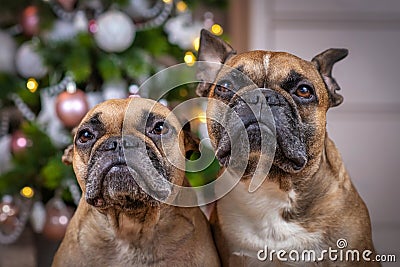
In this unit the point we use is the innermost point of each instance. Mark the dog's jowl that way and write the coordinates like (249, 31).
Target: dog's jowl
(307, 212)
(117, 223)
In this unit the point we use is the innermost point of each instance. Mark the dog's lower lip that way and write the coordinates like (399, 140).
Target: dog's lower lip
(113, 166)
(224, 159)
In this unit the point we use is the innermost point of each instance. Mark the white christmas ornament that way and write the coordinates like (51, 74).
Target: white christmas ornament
(182, 30)
(115, 32)
(48, 119)
(8, 48)
(143, 9)
(94, 98)
(29, 63)
(114, 90)
(62, 30)
(80, 21)
(136, 8)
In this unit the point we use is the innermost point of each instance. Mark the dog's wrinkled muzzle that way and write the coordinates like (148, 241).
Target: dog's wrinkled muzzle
(125, 172)
(290, 154)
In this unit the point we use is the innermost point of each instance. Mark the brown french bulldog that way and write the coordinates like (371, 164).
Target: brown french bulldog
(116, 222)
(307, 201)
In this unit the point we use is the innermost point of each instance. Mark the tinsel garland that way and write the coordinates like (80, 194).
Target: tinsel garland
(158, 20)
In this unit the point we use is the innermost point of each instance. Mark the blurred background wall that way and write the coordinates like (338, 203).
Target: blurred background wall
(366, 126)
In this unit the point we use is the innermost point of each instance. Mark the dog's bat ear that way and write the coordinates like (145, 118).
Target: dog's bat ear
(324, 63)
(191, 141)
(68, 154)
(211, 49)
(69, 151)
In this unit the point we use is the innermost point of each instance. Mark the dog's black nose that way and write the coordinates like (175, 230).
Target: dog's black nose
(245, 113)
(273, 98)
(111, 144)
(118, 144)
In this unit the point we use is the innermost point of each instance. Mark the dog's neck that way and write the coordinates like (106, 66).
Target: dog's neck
(139, 228)
(134, 225)
(132, 238)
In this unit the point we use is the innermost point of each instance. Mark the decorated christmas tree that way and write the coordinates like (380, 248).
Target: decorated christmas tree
(58, 58)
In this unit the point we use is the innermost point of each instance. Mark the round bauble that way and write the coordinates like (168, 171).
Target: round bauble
(30, 21)
(80, 21)
(115, 31)
(28, 62)
(182, 31)
(62, 31)
(71, 107)
(8, 48)
(58, 216)
(67, 5)
(114, 90)
(136, 8)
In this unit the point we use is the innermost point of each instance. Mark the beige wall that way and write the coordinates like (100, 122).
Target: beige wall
(366, 128)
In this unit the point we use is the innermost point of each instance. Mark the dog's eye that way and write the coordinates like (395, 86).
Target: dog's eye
(160, 128)
(224, 87)
(85, 136)
(304, 91)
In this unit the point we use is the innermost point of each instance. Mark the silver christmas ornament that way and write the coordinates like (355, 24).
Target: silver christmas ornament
(115, 31)
(8, 48)
(29, 63)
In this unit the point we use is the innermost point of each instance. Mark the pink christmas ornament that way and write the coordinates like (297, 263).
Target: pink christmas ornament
(58, 216)
(71, 107)
(30, 21)
(68, 5)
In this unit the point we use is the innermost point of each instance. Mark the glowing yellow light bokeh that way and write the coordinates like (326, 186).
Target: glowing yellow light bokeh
(167, 1)
(27, 192)
(32, 85)
(181, 6)
(189, 58)
(196, 43)
(183, 92)
(202, 117)
(216, 29)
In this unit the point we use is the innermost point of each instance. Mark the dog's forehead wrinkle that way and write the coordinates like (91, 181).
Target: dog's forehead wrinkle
(94, 122)
(291, 80)
(239, 68)
(294, 76)
(153, 117)
(95, 119)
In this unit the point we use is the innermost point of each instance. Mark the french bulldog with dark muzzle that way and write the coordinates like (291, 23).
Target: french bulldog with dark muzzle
(307, 201)
(123, 167)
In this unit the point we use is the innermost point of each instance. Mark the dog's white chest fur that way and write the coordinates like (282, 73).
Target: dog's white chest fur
(252, 221)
